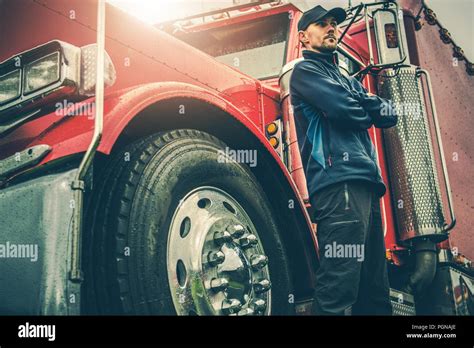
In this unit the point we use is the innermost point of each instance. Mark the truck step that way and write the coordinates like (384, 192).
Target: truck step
(402, 303)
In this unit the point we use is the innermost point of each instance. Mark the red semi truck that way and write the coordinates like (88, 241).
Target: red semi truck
(179, 189)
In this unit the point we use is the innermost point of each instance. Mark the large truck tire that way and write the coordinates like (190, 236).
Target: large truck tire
(173, 229)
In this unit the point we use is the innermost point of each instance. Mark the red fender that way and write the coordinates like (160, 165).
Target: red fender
(70, 135)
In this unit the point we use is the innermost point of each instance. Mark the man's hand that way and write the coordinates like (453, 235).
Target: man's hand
(341, 105)
(374, 107)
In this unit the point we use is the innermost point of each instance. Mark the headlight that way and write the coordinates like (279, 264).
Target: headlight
(45, 74)
(42, 72)
(10, 86)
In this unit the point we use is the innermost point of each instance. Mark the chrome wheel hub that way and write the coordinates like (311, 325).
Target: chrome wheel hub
(215, 260)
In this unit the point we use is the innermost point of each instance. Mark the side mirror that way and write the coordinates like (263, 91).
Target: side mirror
(390, 36)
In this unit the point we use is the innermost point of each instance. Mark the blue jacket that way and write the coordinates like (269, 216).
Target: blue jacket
(332, 116)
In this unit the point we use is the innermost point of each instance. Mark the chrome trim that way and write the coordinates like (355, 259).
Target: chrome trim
(280, 149)
(211, 269)
(440, 148)
(68, 82)
(402, 52)
(369, 35)
(21, 160)
(78, 182)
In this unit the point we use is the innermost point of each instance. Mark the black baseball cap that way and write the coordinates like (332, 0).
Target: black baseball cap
(319, 12)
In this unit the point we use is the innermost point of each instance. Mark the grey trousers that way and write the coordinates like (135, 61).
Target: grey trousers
(352, 277)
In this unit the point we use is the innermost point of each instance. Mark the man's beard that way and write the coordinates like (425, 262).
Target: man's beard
(326, 46)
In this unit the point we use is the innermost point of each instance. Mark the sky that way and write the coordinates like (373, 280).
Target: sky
(455, 15)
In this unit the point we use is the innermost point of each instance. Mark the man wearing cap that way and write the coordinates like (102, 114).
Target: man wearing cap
(332, 115)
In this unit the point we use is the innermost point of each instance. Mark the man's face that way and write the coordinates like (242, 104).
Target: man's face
(321, 36)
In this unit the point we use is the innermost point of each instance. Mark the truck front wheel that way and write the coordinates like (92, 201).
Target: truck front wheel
(177, 230)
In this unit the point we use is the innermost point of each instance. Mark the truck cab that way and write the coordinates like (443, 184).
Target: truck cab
(179, 189)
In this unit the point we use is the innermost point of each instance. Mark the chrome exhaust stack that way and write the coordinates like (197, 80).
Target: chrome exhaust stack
(414, 178)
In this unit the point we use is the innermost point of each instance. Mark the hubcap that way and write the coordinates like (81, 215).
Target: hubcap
(215, 259)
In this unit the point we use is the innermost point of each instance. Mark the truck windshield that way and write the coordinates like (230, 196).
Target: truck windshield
(257, 48)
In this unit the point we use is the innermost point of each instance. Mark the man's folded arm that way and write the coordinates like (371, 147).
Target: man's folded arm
(381, 110)
(337, 103)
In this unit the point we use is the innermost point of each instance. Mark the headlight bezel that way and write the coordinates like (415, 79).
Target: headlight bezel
(76, 65)
(67, 83)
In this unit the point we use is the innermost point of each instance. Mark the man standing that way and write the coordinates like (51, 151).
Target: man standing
(333, 114)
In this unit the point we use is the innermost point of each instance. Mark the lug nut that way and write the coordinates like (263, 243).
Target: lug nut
(215, 257)
(219, 284)
(259, 305)
(221, 238)
(262, 286)
(231, 306)
(258, 262)
(236, 231)
(248, 241)
(245, 312)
